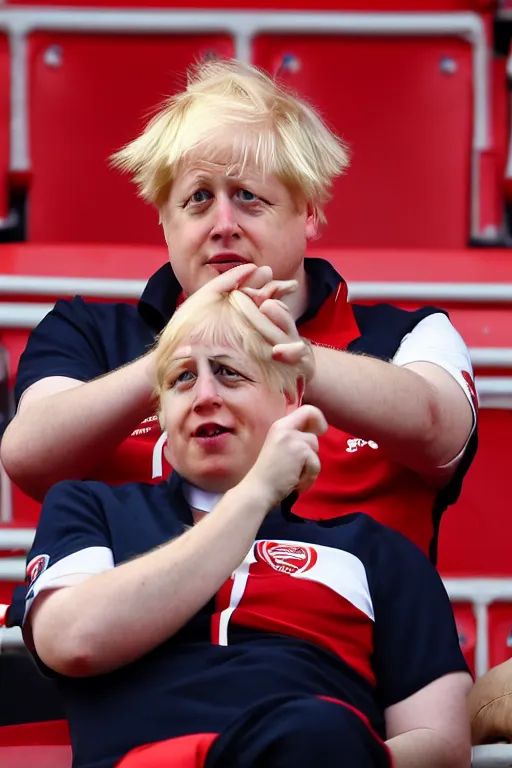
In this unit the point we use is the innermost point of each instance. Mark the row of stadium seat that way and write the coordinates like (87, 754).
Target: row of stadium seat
(412, 94)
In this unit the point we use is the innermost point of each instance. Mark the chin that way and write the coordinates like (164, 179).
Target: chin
(218, 481)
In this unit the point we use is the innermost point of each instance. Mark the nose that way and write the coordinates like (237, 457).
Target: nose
(225, 223)
(207, 393)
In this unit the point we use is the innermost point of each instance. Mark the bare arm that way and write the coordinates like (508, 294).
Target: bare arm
(430, 729)
(114, 617)
(63, 427)
(417, 413)
(117, 616)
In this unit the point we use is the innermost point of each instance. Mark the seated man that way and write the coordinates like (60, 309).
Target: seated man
(200, 622)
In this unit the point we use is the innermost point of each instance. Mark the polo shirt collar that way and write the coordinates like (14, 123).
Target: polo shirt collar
(160, 296)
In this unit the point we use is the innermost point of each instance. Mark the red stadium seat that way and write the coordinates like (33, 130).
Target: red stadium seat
(5, 70)
(35, 745)
(500, 633)
(404, 105)
(466, 628)
(88, 96)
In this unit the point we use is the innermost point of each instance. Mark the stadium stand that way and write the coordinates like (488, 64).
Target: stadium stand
(423, 104)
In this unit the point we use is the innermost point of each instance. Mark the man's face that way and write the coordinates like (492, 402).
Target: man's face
(213, 222)
(217, 411)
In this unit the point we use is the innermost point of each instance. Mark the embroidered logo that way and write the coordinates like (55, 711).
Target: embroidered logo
(353, 443)
(286, 558)
(36, 567)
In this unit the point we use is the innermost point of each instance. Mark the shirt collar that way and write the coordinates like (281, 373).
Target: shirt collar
(160, 296)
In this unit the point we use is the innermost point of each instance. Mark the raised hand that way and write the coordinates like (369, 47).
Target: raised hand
(289, 459)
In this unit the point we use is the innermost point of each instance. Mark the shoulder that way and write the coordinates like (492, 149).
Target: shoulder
(385, 551)
(384, 326)
(94, 492)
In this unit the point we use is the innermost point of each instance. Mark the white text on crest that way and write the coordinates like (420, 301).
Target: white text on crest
(353, 443)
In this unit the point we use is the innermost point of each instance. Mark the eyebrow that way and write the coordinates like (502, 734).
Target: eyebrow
(213, 358)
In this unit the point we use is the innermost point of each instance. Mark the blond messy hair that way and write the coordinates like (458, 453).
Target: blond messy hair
(234, 114)
(227, 319)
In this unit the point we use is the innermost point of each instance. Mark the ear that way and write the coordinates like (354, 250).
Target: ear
(294, 399)
(311, 223)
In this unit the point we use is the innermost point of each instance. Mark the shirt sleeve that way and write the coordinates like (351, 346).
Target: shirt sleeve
(65, 343)
(415, 636)
(72, 541)
(435, 340)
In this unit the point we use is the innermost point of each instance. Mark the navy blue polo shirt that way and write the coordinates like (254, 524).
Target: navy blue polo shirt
(345, 608)
(83, 340)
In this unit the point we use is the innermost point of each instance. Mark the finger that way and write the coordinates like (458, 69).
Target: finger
(291, 354)
(311, 441)
(280, 315)
(307, 418)
(232, 279)
(259, 278)
(266, 328)
(276, 289)
(309, 473)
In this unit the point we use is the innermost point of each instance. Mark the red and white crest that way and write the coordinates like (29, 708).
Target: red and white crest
(286, 557)
(36, 566)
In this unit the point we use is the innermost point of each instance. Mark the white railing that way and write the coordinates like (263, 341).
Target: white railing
(130, 290)
(244, 27)
(492, 756)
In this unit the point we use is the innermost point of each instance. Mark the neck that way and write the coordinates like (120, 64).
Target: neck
(200, 501)
(298, 301)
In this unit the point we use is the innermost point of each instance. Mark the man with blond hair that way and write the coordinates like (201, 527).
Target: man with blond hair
(200, 623)
(240, 171)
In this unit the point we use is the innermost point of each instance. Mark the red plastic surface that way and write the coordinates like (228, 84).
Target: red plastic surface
(89, 95)
(331, 5)
(5, 112)
(35, 745)
(466, 628)
(408, 124)
(500, 633)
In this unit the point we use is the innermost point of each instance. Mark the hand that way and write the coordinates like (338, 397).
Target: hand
(251, 278)
(289, 459)
(278, 327)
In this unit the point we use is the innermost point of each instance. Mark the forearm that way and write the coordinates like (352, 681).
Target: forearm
(118, 616)
(425, 748)
(376, 400)
(63, 435)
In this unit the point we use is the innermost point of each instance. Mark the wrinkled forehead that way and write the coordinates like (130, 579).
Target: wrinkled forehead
(200, 351)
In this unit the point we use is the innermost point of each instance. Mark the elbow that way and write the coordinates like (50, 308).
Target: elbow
(67, 652)
(19, 465)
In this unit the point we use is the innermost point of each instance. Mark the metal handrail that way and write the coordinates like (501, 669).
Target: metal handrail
(16, 539)
(492, 756)
(359, 290)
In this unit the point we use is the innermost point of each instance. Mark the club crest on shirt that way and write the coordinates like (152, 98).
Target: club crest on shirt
(36, 567)
(286, 558)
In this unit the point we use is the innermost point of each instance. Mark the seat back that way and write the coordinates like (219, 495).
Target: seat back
(89, 95)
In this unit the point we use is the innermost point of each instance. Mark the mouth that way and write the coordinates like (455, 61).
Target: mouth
(227, 261)
(205, 431)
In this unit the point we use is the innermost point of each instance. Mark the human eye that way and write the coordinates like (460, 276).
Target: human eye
(182, 380)
(246, 196)
(199, 197)
(229, 373)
